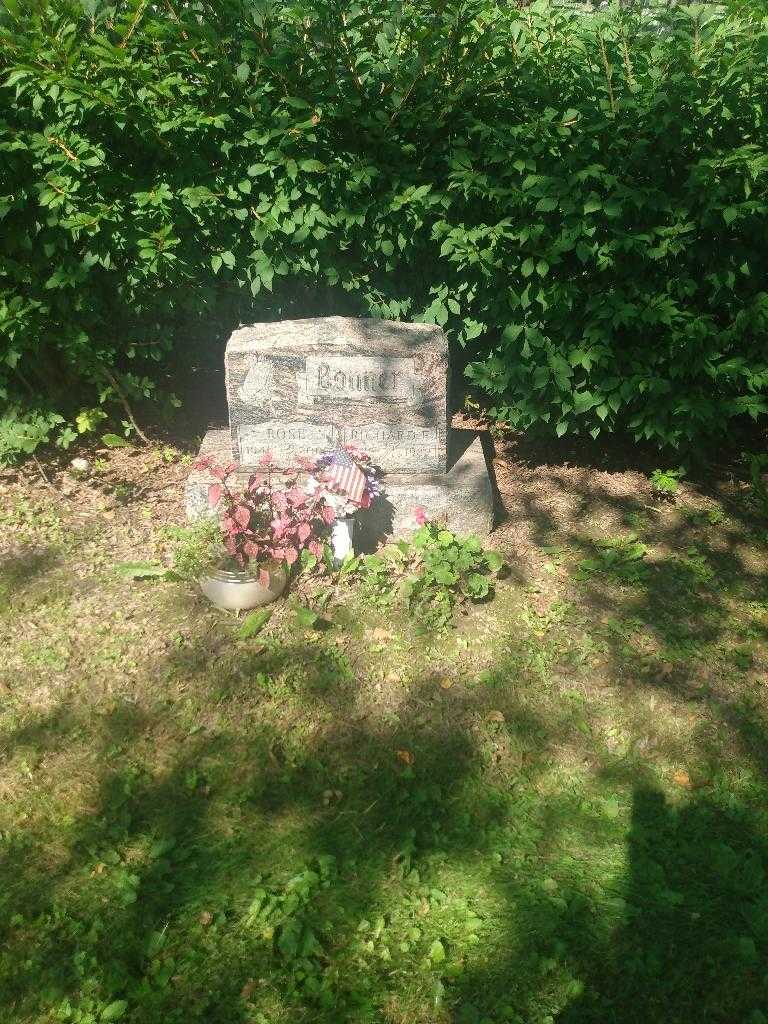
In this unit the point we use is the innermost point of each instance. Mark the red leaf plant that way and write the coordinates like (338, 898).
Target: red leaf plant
(272, 518)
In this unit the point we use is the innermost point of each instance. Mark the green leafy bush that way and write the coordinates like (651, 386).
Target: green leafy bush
(22, 432)
(430, 574)
(578, 197)
(666, 482)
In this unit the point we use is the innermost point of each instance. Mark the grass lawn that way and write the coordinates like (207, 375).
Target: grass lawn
(557, 811)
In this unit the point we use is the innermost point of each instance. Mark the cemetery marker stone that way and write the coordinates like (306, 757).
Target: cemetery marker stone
(307, 386)
(304, 387)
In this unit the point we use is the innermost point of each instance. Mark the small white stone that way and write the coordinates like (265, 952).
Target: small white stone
(80, 466)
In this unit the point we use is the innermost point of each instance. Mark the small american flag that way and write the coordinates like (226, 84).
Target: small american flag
(341, 469)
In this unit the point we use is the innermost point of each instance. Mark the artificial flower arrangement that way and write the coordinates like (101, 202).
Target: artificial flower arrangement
(348, 478)
(350, 482)
(270, 521)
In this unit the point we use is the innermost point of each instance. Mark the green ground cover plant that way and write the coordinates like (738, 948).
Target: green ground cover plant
(577, 197)
(665, 483)
(430, 574)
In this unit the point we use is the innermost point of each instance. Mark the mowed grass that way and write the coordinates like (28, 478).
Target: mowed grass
(556, 812)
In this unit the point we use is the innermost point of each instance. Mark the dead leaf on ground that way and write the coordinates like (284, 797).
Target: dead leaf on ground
(248, 989)
(446, 684)
(381, 635)
(496, 716)
(405, 756)
(682, 778)
(206, 917)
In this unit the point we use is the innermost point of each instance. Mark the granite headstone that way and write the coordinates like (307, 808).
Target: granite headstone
(307, 386)
(304, 387)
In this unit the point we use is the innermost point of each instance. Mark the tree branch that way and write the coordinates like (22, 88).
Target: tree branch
(125, 404)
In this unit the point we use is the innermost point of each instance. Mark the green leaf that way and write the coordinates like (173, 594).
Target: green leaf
(350, 564)
(478, 585)
(311, 165)
(527, 268)
(115, 1010)
(254, 623)
(115, 441)
(245, 186)
(307, 559)
(611, 807)
(437, 952)
(512, 331)
(306, 618)
(730, 213)
(494, 561)
(444, 575)
(546, 204)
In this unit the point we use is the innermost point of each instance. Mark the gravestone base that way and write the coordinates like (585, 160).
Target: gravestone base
(462, 498)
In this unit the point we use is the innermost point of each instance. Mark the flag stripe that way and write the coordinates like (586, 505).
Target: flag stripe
(348, 479)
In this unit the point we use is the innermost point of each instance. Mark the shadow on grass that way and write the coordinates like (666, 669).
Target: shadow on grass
(257, 872)
(334, 819)
(22, 569)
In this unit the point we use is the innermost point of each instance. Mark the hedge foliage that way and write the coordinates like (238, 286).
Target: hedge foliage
(579, 198)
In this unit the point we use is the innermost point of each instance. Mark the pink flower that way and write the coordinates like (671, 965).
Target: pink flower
(420, 515)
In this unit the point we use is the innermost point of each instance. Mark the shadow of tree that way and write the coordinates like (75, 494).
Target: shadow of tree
(377, 800)
(696, 928)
